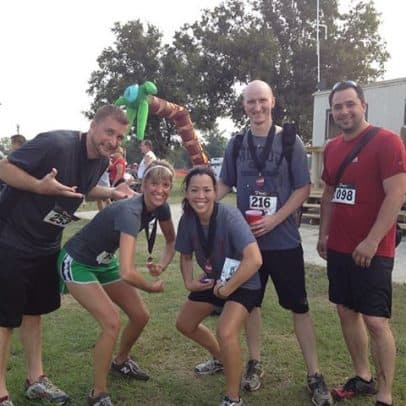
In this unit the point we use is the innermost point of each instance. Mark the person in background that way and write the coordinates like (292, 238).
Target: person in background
(47, 179)
(99, 280)
(263, 182)
(149, 156)
(17, 141)
(222, 242)
(117, 167)
(357, 237)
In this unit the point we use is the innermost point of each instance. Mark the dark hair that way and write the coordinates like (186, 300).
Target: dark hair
(148, 143)
(18, 139)
(109, 110)
(347, 84)
(195, 171)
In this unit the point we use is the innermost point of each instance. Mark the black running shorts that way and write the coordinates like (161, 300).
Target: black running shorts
(364, 290)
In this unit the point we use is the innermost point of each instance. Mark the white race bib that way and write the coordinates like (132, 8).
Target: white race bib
(267, 203)
(229, 268)
(104, 257)
(60, 219)
(344, 194)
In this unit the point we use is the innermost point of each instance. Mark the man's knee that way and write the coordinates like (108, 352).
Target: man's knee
(377, 326)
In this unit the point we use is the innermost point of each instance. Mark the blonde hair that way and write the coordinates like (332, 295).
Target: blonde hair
(159, 169)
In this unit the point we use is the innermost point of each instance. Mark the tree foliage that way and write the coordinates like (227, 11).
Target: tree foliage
(209, 60)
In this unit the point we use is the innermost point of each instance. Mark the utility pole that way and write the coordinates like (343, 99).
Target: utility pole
(318, 25)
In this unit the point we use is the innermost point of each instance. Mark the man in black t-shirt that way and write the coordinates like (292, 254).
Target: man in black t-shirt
(46, 179)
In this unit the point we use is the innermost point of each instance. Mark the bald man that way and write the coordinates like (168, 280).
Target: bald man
(261, 174)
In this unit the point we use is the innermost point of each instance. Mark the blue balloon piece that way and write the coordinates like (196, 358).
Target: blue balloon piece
(131, 93)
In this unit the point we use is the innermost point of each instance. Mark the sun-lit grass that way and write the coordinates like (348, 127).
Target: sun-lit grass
(70, 334)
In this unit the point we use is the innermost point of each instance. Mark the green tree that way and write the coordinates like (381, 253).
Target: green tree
(209, 60)
(274, 40)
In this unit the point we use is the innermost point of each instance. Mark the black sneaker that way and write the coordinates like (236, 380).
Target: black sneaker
(318, 389)
(354, 387)
(130, 369)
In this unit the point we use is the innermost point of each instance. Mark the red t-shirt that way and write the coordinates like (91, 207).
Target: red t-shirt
(384, 156)
(114, 168)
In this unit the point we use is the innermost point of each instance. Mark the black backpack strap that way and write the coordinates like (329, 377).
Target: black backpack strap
(358, 147)
(237, 144)
(289, 132)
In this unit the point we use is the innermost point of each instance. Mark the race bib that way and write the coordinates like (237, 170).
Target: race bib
(267, 203)
(344, 194)
(59, 218)
(229, 268)
(104, 257)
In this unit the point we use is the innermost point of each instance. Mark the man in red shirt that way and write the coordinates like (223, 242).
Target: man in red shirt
(357, 237)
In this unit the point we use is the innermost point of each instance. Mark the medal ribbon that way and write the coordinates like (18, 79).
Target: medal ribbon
(150, 238)
(207, 244)
(261, 161)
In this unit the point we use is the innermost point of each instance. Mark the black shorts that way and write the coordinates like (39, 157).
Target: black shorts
(246, 297)
(28, 286)
(364, 290)
(286, 269)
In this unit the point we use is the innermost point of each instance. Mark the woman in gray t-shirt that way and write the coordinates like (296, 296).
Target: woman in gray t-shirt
(98, 280)
(228, 254)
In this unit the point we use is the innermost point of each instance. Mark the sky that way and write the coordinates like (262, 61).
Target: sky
(48, 49)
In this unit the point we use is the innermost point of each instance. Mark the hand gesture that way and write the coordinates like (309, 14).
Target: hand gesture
(154, 269)
(122, 191)
(201, 283)
(157, 286)
(48, 185)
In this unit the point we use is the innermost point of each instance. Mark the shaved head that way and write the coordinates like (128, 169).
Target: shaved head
(256, 85)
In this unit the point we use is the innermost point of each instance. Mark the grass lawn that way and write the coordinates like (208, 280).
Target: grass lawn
(70, 334)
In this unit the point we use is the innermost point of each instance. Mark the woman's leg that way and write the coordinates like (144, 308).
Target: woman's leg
(229, 327)
(189, 324)
(95, 300)
(130, 301)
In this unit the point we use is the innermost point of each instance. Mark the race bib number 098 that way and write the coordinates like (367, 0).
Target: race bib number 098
(344, 194)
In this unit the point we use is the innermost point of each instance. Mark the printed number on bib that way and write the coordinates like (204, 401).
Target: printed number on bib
(344, 194)
(266, 203)
(229, 268)
(58, 219)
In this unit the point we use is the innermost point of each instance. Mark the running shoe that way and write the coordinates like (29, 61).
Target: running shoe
(130, 369)
(318, 389)
(209, 367)
(251, 381)
(354, 387)
(43, 388)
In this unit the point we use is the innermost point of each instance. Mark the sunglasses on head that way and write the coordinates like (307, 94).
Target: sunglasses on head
(347, 83)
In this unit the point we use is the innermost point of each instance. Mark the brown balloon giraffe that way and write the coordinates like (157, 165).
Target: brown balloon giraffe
(184, 126)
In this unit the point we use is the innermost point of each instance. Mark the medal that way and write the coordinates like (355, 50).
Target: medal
(207, 267)
(260, 181)
(150, 260)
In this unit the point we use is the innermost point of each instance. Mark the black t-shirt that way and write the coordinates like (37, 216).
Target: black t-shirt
(32, 223)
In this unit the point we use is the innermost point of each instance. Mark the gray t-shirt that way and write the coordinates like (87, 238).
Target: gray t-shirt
(277, 182)
(96, 243)
(33, 223)
(232, 236)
